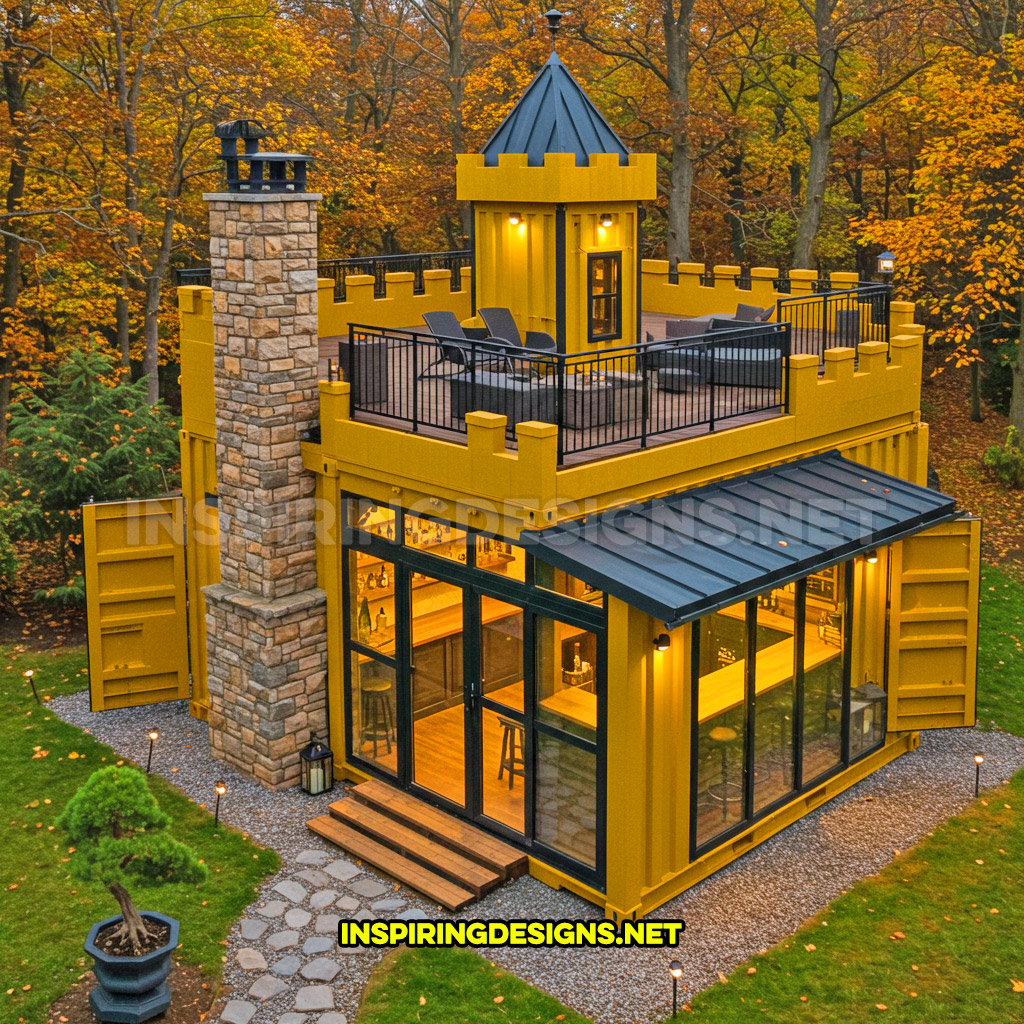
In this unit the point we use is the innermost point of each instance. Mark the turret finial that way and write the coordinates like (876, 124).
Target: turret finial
(554, 17)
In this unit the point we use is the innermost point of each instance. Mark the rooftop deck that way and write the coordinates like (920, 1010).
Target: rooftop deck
(607, 402)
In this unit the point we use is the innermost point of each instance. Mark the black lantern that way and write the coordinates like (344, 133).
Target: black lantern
(316, 767)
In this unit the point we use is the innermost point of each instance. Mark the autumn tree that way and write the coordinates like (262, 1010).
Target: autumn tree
(961, 251)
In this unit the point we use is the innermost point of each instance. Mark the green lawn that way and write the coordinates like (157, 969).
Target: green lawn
(1001, 652)
(956, 901)
(454, 986)
(45, 913)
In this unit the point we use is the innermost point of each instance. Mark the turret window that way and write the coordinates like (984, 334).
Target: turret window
(604, 288)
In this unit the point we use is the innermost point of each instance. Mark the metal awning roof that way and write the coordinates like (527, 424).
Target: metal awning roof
(687, 554)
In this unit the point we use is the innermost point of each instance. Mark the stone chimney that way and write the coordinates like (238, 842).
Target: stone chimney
(265, 620)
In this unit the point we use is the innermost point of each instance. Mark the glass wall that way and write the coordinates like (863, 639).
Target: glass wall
(474, 673)
(824, 644)
(774, 703)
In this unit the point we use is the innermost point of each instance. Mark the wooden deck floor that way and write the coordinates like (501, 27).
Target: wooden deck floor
(431, 406)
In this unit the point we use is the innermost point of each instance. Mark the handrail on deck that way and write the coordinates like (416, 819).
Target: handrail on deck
(625, 395)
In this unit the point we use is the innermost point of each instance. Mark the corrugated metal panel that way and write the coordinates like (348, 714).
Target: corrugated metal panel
(684, 555)
(554, 115)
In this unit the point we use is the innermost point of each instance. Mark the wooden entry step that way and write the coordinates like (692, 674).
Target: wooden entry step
(435, 853)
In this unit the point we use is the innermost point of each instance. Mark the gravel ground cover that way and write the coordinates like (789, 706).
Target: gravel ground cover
(280, 969)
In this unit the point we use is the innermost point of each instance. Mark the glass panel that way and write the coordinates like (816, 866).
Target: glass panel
(566, 676)
(504, 769)
(371, 518)
(823, 671)
(566, 798)
(372, 601)
(867, 703)
(775, 700)
(437, 538)
(721, 720)
(550, 578)
(439, 746)
(501, 558)
(374, 736)
(501, 652)
(603, 317)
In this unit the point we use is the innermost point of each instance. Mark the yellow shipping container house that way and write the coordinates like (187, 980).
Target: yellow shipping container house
(617, 569)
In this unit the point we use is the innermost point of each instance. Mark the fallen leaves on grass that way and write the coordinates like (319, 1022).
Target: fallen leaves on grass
(1018, 986)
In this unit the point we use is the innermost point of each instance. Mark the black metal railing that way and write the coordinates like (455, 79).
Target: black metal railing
(836, 319)
(621, 396)
(377, 267)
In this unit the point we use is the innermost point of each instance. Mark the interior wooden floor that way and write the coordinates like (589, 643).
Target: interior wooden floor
(439, 763)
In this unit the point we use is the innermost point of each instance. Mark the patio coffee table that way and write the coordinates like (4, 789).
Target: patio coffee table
(518, 398)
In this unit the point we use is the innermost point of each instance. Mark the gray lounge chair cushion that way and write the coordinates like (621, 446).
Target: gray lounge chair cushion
(684, 328)
(753, 314)
(501, 324)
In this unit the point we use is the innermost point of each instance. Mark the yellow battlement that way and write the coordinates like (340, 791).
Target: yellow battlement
(559, 180)
(870, 414)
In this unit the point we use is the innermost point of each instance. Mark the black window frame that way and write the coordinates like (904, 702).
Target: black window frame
(800, 785)
(616, 258)
(477, 582)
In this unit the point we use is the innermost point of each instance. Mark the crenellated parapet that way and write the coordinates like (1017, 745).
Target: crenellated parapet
(557, 180)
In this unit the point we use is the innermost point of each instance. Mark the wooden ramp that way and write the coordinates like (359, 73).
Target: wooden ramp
(436, 854)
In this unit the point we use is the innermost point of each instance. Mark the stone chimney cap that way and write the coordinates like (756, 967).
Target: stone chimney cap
(240, 128)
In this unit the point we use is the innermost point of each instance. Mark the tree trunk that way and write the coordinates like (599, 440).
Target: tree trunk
(122, 322)
(1017, 367)
(679, 201)
(133, 931)
(976, 416)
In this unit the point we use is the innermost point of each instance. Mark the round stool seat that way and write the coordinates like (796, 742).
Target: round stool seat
(722, 734)
(375, 686)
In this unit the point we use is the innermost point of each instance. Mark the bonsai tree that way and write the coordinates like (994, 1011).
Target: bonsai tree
(118, 831)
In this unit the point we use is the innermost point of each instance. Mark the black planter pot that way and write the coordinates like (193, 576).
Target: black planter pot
(131, 988)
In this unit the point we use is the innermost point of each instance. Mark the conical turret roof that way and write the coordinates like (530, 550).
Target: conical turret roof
(554, 115)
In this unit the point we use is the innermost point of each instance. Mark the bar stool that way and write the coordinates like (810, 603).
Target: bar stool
(378, 721)
(724, 792)
(511, 751)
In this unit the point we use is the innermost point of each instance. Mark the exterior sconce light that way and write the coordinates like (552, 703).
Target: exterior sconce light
(316, 767)
(515, 218)
(220, 789)
(871, 557)
(886, 264)
(153, 737)
(676, 970)
(605, 220)
(662, 642)
(979, 760)
(28, 674)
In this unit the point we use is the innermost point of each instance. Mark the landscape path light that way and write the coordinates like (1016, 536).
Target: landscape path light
(29, 673)
(220, 790)
(979, 760)
(676, 970)
(154, 735)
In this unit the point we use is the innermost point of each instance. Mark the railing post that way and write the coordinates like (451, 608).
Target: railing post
(560, 405)
(787, 352)
(645, 401)
(711, 385)
(415, 382)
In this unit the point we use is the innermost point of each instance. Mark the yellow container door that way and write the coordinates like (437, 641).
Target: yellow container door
(135, 597)
(933, 627)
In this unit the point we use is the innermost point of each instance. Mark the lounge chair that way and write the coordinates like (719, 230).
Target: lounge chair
(502, 325)
(460, 348)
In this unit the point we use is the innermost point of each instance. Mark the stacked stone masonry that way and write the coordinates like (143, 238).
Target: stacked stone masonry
(266, 626)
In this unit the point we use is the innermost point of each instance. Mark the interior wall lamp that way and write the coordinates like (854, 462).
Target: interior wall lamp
(515, 218)
(662, 642)
(605, 220)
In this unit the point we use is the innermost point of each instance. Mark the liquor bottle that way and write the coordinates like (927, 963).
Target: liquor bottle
(371, 582)
(383, 580)
(577, 665)
(363, 622)
(382, 621)
(391, 532)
